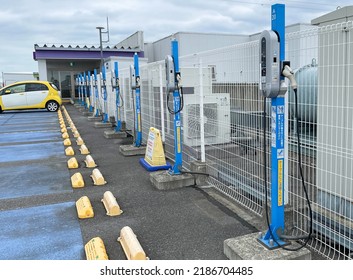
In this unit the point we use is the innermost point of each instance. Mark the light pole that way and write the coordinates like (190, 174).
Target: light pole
(100, 28)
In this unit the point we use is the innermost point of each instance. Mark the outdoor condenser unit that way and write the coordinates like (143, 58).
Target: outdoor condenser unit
(216, 119)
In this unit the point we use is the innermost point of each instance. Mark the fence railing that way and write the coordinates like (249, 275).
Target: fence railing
(229, 134)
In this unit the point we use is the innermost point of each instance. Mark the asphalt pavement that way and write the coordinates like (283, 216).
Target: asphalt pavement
(37, 202)
(38, 215)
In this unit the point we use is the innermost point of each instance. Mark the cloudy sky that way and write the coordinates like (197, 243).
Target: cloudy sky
(24, 23)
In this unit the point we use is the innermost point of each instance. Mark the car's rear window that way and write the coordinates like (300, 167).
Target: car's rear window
(54, 86)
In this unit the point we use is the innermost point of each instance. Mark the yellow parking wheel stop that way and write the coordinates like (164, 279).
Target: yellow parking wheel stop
(111, 205)
(84, 150)
(131, 246)
(84, 208)
(89, 161)
(69, 151)
(67, 142)
(77, 180)
(97, 177)
(95, 249)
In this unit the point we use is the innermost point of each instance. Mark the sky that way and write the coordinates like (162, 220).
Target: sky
(24, 23)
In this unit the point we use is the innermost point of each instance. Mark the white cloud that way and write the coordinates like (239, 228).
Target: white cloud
(24, 23)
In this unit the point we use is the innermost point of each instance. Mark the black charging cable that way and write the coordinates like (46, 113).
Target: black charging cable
(287, 237)
(181, 96)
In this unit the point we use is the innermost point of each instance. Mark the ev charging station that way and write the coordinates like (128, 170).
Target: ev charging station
(119, 130)
(174, 177)
(272, 54)
(104, 94)
(77, 88)
(80, 92)
(173, 85)
(136, 148)
(273, 70)
(84, 90)
(90, 108)
(101, 114)
(96, 94)
(116, 86)
(135, 86)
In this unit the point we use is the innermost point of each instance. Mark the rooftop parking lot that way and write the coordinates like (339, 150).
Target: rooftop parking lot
(38, 211)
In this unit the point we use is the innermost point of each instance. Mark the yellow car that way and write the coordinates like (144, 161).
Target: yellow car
(30, 95)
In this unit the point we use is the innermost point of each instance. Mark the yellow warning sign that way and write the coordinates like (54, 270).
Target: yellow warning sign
(280, 182)
(154, 150)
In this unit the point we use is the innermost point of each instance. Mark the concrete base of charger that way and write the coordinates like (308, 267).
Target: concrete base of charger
(102, 125)
(131, 150)
(112, 134)
(86, 113)
(94, 118)
(163, 180)
(247, 247)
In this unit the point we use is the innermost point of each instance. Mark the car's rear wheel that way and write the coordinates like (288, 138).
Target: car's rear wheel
(52, 106)
(0, 110)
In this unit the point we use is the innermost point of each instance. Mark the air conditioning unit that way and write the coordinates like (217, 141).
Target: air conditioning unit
(216, 119)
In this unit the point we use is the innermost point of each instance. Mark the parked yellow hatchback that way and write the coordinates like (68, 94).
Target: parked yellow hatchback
(30, 95)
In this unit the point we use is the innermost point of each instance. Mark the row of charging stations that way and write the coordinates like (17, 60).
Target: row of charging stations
(87, 86)
(273, 70)
(173, 88)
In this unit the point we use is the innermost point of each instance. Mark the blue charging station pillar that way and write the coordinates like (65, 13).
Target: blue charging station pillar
(95, 84)
(271, 239)
(80, 88)
(177, 120)
(104, 92)
(89, 90)
(138, 126)
(117, 92)
(84, 89)
(77, 88)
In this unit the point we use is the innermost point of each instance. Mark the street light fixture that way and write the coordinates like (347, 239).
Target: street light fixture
(100, 28)
(101, 41)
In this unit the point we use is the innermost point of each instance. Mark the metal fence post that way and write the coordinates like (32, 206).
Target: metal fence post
(202, 119)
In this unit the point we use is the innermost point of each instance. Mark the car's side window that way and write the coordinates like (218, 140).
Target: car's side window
(36, 87)
(14, 89)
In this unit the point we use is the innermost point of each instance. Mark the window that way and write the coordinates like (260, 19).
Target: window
(36, 87)
(14, 89)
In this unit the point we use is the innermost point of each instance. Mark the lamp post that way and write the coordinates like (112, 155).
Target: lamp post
(100, 28)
